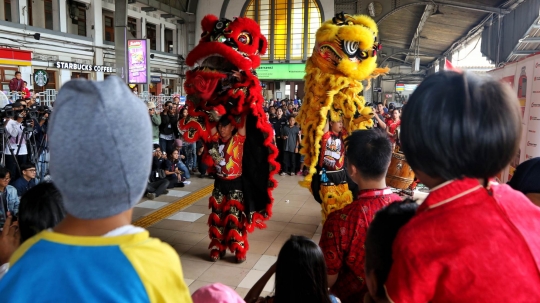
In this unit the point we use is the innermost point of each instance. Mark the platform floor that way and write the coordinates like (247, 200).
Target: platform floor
(295, 212)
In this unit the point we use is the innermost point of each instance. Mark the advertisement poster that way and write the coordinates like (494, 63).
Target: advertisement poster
(506, 75)
(137, 67)
(532, 127)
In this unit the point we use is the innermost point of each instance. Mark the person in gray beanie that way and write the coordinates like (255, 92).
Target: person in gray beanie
(97, 132)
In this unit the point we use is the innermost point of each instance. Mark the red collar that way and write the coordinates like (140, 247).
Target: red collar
(370, 193)
(452, 190)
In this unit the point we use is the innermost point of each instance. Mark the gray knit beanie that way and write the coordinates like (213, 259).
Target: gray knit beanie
(101, 147)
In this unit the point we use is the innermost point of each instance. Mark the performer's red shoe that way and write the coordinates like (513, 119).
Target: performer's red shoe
(240, 257)
(215, 255)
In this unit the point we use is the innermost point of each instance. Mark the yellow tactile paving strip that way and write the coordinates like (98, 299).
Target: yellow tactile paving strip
(174, 207)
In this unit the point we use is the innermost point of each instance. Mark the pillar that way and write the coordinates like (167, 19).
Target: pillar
(96, 13)
(60, 16)
(16, 10)
(38, 13)
(160, 37)
(120, 38)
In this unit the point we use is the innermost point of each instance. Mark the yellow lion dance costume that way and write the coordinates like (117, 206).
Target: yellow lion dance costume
(345, 53)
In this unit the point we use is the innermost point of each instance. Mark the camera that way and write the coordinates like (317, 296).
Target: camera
(7, 112)
(32, 112)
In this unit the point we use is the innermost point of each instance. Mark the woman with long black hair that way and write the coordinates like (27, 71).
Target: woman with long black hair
(300, 275)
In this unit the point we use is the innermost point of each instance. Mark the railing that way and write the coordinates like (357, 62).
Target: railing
(49, 96)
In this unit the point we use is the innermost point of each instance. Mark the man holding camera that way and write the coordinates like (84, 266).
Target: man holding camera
(16, 151)
(168, 127)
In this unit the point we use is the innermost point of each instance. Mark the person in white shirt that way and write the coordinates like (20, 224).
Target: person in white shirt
(15, 151)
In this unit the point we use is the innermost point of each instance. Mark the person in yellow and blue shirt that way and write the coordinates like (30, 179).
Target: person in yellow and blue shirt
(97, 132)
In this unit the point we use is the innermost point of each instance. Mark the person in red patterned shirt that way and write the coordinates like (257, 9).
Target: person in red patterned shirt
(368, 156)
(227, 226)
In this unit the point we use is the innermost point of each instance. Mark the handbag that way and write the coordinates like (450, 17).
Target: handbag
(161, 173)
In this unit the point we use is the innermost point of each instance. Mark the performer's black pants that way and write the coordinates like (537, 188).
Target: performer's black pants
(279, 144)
(289, 162)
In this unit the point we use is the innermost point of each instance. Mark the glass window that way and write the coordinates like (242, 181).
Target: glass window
(81, 20)
(48, 14)
(6, 74)
(109, 29)
(132, 27)
(260, 10)
(169, 44)
(7, 10)
(151, 34)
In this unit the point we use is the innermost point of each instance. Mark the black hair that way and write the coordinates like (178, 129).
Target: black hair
(380, 237)
(301, 272)
(182, 112)
(460, 125)
(41, 208)
(224, 121)
(3, 172)
(370, 151)
(377, 104)
(25, 82)
(291, 116)
(17, 73)
(168, 102)
(26, 166)
(156, 146)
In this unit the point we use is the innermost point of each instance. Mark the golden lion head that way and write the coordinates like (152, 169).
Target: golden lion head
(348, 45)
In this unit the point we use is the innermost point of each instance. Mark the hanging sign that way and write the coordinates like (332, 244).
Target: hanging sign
(41, 78)
(137, 52)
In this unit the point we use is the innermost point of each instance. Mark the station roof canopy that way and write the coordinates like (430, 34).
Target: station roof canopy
(431, 29)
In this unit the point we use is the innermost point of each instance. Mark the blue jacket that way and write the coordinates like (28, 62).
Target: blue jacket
(22, 186)
(12, 204)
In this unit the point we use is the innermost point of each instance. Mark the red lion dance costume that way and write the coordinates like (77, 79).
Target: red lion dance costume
(224, 84)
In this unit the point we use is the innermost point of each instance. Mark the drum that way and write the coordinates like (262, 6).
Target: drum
(400, 174)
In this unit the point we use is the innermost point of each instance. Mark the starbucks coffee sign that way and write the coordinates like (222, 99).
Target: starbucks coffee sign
(41, 78)
(84, 67)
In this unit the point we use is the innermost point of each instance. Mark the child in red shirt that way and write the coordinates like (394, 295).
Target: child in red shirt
(472, 240)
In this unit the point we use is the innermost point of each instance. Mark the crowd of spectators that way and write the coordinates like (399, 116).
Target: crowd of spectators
(470, 236)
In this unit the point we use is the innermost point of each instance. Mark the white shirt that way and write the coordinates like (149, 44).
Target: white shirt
(15, 131)
(120, 231)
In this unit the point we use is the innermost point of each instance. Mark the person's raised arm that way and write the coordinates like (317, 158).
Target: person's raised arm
(242, 129)
(256, 290)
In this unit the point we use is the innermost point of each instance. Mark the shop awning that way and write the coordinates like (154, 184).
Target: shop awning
(15, 57)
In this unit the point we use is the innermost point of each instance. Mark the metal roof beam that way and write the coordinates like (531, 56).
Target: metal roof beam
(524, 52)
(428, 10)
(515, 51)
(474, 7)
(530, 39)
(398, 49)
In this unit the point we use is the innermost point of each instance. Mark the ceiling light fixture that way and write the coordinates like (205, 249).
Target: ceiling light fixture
(437, 13)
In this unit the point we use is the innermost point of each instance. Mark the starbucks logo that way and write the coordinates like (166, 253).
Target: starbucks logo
(41, 78)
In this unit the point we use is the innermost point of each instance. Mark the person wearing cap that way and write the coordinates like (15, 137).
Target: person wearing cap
(156, 121)
(526, 179)
(94, 254)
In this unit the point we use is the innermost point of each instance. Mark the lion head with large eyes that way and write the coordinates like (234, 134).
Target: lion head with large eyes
(347, 45)
(227, 45)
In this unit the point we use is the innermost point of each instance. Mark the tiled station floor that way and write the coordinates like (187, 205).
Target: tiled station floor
(295, 212)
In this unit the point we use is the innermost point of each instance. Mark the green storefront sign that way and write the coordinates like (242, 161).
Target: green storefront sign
(281, 71)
